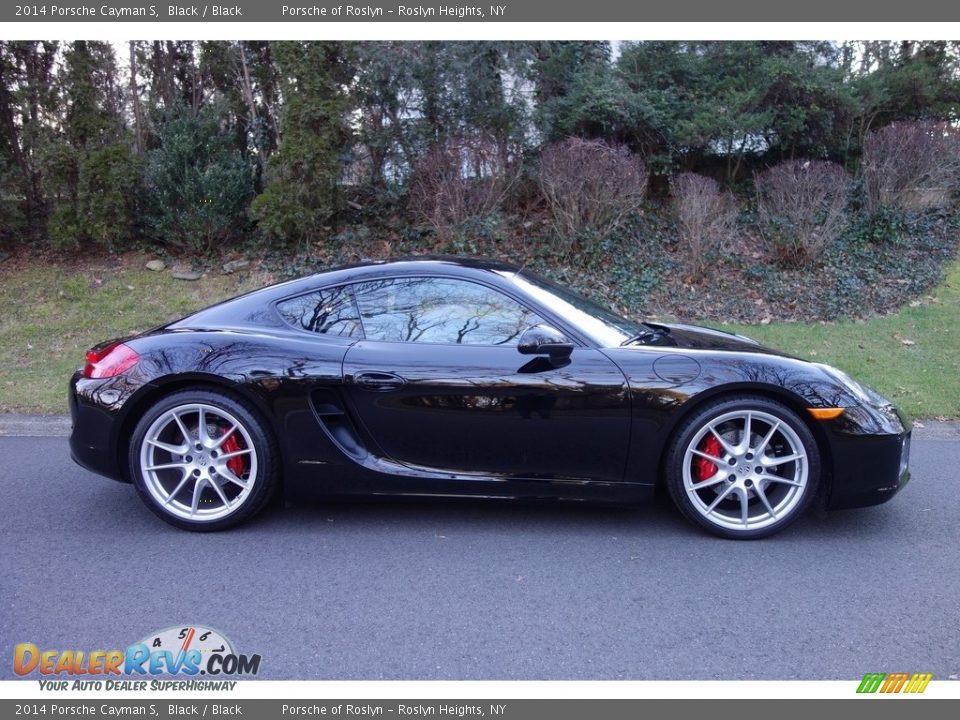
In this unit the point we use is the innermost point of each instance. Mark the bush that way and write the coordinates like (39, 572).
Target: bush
(705, 217)
(198, 183)
(460, 179)
(302, 194)
(590, 186)
(109, 193)
(802, 208)
(13, 221)
(60, 187)
(911, 165)
(95, 196)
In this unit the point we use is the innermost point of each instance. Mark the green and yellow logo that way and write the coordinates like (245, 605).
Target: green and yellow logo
(894, 682)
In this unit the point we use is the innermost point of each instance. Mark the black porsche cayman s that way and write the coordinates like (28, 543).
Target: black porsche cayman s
(448, 376)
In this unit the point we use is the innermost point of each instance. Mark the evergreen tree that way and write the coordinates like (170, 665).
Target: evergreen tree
(92, 174)
(303, 176)
(27, 99)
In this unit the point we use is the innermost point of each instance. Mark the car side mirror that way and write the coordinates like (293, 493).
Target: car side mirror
(545, 340)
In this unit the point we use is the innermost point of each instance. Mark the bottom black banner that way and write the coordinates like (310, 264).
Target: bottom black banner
(875, 708)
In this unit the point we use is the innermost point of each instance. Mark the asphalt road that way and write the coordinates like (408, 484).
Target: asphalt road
(487, 591)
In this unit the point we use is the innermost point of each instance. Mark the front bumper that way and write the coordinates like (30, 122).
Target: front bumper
(870, 448)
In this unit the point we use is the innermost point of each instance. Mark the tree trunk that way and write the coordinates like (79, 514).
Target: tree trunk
(247, 89)
(138, 138)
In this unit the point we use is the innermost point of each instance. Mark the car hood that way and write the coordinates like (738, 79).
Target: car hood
(696, 337)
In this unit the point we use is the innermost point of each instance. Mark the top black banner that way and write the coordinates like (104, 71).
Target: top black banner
(538, 11)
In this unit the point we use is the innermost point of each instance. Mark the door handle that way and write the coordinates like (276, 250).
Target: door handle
(379, 381)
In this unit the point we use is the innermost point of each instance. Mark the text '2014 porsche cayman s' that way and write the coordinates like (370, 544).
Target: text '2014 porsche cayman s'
(457, 377)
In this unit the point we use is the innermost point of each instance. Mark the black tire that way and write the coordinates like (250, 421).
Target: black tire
(262, 461)
(741, 477)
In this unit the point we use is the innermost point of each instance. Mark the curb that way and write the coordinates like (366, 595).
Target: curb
(34, 425)
(59, 426)
(936, 429)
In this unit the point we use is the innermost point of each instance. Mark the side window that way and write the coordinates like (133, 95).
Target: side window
(440, 310)
(326, 312)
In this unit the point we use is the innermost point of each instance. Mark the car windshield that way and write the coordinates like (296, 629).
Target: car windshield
(600, 324)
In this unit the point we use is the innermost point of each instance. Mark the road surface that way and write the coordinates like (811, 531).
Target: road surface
(488, 591)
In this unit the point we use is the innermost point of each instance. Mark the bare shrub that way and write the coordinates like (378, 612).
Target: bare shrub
(911, 165)
(802, 207)
(706, 217)
(460, 179)
(590, 185)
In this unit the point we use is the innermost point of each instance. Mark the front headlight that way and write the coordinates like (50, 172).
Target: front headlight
(861, 393)
(904, 456)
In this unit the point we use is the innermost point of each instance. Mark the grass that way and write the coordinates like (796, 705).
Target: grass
(51, 312)
(912, 357)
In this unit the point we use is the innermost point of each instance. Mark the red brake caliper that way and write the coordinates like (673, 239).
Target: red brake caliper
(703, 468)
(238, 464)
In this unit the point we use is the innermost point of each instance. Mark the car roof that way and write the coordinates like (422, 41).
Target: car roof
(415, 265)
(426, 262)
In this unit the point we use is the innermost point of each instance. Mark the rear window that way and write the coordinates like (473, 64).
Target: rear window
(325, 312)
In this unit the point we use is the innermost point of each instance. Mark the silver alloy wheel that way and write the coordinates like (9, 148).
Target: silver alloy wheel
(186, 468)
(760, 475)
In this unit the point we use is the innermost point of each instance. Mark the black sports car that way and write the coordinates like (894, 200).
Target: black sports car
(448, 376)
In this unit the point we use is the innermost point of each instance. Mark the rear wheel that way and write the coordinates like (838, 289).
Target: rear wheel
(202, 460)
(743, 467)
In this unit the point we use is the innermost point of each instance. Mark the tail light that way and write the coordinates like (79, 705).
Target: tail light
(109, 360)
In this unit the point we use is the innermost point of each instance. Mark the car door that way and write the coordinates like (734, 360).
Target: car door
(438, 384)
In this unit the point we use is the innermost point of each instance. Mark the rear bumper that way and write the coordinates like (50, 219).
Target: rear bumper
(92, 437)
(871, 459)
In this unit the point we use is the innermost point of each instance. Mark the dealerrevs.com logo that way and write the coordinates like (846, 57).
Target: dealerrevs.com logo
(189, 651)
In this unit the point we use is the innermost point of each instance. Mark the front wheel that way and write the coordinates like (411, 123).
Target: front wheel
(743, 467)
(202, 460)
